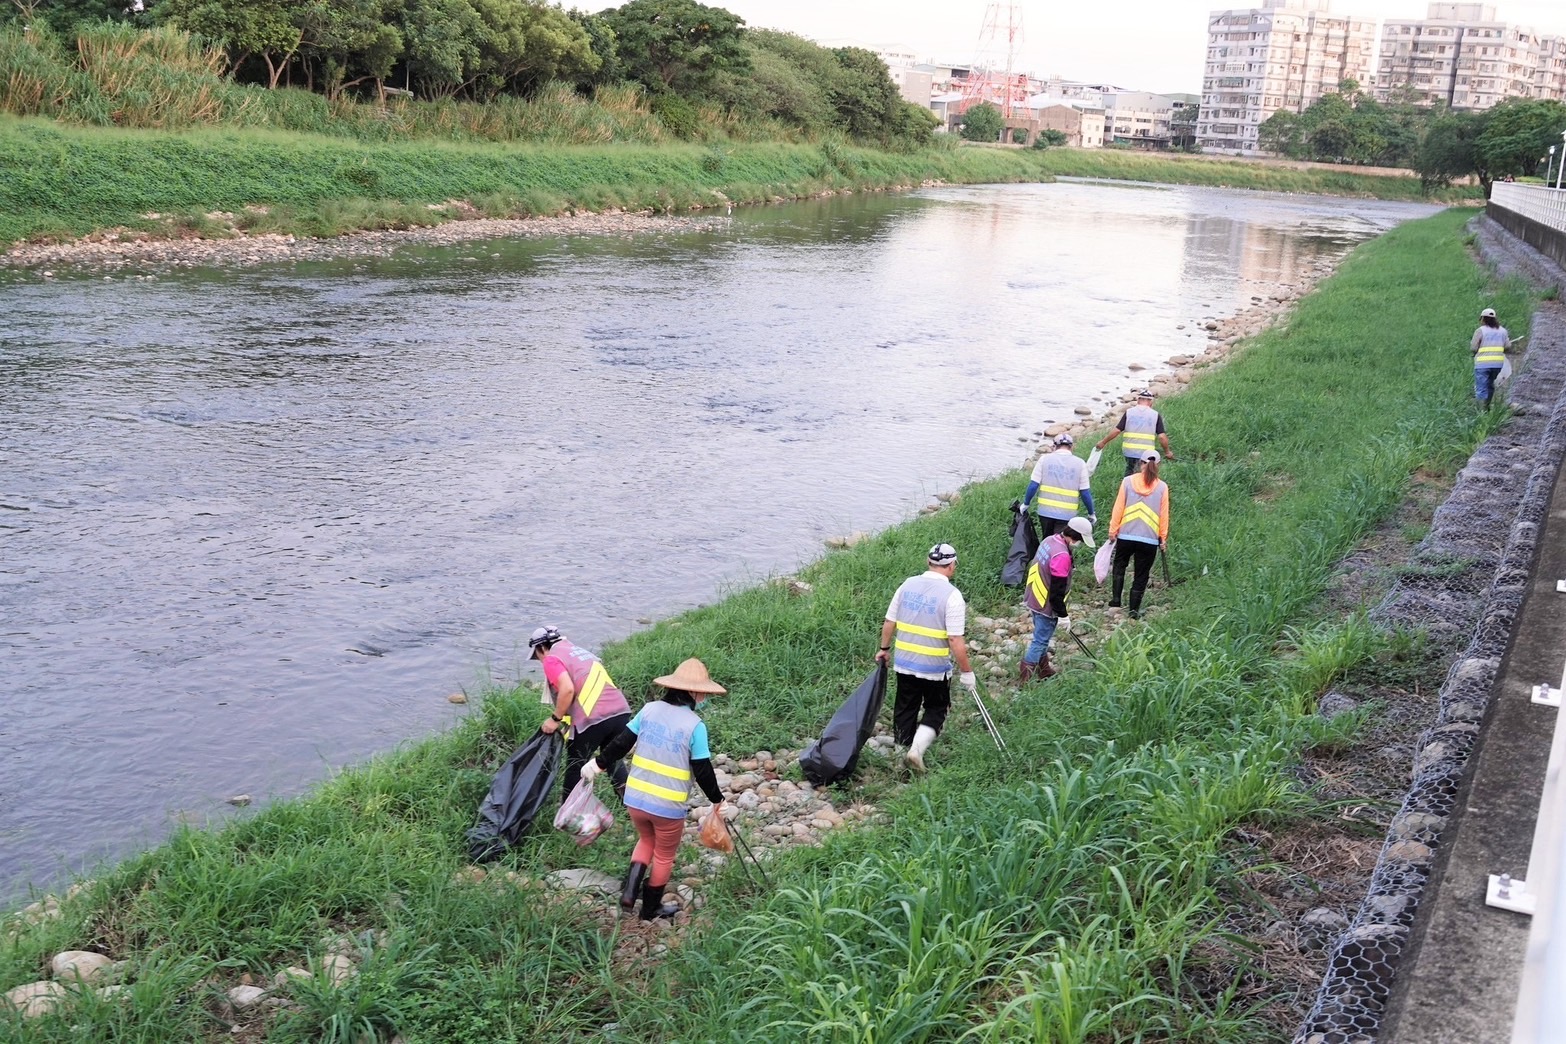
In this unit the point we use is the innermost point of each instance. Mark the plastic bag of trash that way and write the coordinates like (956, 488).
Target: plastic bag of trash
(583, 816)
(714, 832)
(1505, 374)
(836, 754)
(515, 797)
(1024, 544)
(1104, 560)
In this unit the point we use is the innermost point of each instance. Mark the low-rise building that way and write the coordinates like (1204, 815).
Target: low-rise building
(1081, 121)
(1139, 118)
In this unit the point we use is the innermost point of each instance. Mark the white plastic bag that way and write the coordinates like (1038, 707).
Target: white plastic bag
(1103, 560)
(1092, 461)
(582, 815)
(1505, 374)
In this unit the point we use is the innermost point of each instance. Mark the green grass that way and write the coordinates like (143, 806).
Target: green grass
(1073, 889)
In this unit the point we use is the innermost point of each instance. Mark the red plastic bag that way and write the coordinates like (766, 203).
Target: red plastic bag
(583, 816)
(715, 832)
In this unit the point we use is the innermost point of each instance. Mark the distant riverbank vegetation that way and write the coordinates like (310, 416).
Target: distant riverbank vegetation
(647, 72)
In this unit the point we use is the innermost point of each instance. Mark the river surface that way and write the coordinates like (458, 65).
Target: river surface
(256, 524)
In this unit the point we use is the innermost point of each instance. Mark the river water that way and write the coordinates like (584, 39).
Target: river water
(256, 524)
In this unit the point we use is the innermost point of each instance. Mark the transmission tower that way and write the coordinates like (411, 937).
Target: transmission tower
(993, 77)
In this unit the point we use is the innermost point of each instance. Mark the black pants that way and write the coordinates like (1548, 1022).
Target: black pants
(587, 744)
(1140, 553)
(1048, 527)
(1132, 463)
(934, 697)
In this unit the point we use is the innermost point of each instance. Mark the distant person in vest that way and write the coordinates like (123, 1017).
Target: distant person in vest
(1489, 347)
(923, 633)
(1138, 429)
(1049, 578)
(586, 703)
(671, 750)
(1139, 527)
(1060, 479)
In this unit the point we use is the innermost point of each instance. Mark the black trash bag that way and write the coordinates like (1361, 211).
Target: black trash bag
(836, 754)
(1024, 545)
(520, 789)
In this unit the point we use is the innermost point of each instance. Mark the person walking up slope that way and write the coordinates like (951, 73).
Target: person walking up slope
(927, 618)
(671, 750)
(1060, 478)
(1139, 428)
(1140, 527)
(1049, 578)
(1489, 345)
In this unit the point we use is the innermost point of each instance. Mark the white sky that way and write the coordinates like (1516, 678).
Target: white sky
(1150, 45)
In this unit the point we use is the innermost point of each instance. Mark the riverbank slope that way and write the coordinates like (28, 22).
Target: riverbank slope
(63, 183)
(1078, 886)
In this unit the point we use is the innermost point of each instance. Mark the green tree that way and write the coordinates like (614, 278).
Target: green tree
(1447, 150)
(63, 16)
(265, 29)
(605, 46)
(863, 95)
(348, 42)
(983, 122)
(1182, 127)
(677, 45)
(1281, 133)
(1049, 139)
(1518, 133)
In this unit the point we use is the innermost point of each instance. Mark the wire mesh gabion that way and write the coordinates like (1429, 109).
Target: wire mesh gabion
(1465, 581)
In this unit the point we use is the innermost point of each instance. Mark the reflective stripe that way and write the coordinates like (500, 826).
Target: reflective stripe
(1059, 498)
(1142, 512)
(1036, 584)
(1490, 353)
(1036, 595)
(922, 650)
(928, 632)
(1061, 476)
(596, 696)
(656, 791)
(597, 678)
(1138, 441)
(660, 768)
(1141, 519)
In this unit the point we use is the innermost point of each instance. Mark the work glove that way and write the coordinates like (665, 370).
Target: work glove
(590, 770)
(969, 680)
(1064, 624)
(1092, 520)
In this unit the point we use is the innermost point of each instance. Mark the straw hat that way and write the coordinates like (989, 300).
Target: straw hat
(691, 676)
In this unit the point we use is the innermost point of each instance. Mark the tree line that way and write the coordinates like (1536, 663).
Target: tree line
(1440, 144)
(683, 54)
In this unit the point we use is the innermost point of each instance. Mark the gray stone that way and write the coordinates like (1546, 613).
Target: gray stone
(583, 879)
(80, 964)
(35, 998)
(1335, 703)
(243, 998)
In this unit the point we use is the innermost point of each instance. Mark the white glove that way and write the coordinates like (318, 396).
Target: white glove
(969, 680)
(1092, 520)
(590, 770)
(1063, 624)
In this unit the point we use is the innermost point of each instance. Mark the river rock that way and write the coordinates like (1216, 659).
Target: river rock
(1134, 367)
(1083, 411)
(243, 998)
(582, 879)
(1335, 703)
(81, 964)
(338, 969)
(291, 974)
(457, 697)
(35, 998)
(240, 800)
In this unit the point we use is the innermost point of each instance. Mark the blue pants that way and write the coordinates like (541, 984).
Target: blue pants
(1484, 382)
(1043, 631)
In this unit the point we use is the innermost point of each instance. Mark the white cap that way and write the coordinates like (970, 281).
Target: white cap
(1150, 455)
(1082, 528)
(1065, 439)
(543, 636)
(943, 554)
(1488, 313)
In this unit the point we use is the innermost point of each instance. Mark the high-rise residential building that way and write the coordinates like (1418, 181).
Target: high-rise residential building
(1284, 54)
(1464, 56)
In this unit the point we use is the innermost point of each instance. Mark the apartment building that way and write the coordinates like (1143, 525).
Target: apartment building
(1282, 55)
(1138, 118)
(1464, 56)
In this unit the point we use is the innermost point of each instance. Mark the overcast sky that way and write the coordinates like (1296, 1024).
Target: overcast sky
(1152, 45)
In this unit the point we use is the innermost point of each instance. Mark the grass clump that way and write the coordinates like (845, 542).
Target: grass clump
(1077, 888)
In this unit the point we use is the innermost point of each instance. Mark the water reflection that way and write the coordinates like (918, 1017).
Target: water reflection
(256, 524)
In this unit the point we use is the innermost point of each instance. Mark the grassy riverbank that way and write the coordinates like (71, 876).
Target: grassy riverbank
(1074, 889)
(61, 182)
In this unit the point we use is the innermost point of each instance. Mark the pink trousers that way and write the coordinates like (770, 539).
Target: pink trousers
(657, 840)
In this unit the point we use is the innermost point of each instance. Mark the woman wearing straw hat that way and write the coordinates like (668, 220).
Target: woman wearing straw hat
(671, 750)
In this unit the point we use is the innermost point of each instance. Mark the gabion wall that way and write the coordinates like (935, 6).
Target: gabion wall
(1459, 580)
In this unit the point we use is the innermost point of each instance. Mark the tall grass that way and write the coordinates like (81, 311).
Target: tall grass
(1073, 889)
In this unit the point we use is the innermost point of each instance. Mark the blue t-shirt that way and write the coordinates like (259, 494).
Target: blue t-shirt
(699, 747)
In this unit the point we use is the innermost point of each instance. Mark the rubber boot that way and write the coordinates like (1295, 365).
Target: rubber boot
(652, 904)
(1025, 672)
(1046, 668)
(633, 886)
(921, 743)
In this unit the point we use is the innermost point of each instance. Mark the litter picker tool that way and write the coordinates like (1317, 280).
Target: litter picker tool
(989, 722)
(742, 847)
(1083, 646)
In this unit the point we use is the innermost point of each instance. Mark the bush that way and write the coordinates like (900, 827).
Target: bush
(983, 122)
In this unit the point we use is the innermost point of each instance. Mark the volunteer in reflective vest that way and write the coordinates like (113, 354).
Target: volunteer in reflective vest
(1049, 578)
(1489, 347)
(922, 635)
(671, 750)
(1138, 429)
(1059, 480)
(586, 703)
(1139, 527)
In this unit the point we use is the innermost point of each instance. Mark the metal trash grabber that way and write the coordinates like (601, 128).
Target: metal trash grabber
(989, 722)
(743, 849)
(1083, 646)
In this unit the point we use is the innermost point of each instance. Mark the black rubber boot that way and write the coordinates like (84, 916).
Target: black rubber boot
(633, 886)
(652, 904)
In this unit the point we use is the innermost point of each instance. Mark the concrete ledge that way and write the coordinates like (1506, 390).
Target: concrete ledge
(1543, 238)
